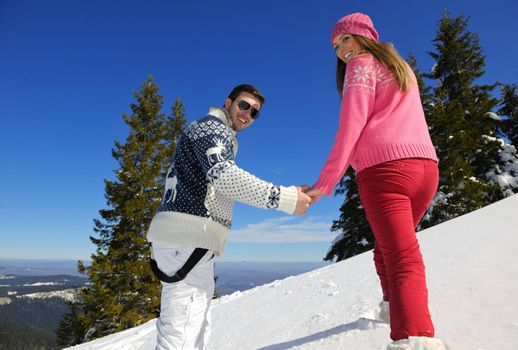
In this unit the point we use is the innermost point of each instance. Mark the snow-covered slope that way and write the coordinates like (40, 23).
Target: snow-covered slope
(472, 268)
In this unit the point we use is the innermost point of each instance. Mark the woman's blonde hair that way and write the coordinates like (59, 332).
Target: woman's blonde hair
(387, 55)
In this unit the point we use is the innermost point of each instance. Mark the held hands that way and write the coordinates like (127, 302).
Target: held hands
(314, 194)
(303, 200)
(306, 196)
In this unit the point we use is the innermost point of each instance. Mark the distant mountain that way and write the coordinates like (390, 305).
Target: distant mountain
(241, 276)
(34, 267)
(31, 308)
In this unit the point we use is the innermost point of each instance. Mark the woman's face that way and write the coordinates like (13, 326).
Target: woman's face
(346, 47)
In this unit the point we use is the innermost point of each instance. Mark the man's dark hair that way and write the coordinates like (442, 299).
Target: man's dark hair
(246, 88)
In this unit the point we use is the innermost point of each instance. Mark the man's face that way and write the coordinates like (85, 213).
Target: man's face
(241, 116)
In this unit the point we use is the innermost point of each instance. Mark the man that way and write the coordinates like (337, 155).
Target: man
(195, 215)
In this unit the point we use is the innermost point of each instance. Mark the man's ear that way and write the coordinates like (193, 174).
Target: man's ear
(228, 102)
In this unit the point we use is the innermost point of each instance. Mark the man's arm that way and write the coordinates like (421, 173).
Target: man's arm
(214, 152)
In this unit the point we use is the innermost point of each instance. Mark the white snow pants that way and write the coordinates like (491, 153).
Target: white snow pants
(184, 321)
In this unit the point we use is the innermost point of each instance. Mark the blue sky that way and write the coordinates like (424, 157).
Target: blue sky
(68, 69)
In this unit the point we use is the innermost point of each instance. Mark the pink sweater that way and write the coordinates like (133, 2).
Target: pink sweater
(378, 123)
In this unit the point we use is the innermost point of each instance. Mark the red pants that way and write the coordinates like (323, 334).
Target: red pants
(395, 196)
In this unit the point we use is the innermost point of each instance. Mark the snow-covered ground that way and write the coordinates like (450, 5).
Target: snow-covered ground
(472, 269)
(67, 294)
(38, 284)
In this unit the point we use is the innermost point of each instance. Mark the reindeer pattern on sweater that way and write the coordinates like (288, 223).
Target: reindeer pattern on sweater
(204, 179)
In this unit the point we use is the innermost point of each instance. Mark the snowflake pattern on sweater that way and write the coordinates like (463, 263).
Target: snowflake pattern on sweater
(367, 75)
(204, 179)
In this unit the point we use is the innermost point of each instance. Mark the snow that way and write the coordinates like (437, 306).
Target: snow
(363, 242)
(493, 116)
(439, 198)
(505, 174)
(67, 294)
(472, 270)
(37, 284)
(473, 179)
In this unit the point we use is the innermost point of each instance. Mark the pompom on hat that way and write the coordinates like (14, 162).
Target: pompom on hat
(357, 24)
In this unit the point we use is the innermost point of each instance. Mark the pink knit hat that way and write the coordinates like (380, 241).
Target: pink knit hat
(357, 24)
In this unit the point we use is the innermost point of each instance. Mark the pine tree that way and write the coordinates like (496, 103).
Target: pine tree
(425, 91)
(123, 291)
(463, 127)
(355, 235)
(70, 330)
(426, 96)
(509, 108)
(506, 174)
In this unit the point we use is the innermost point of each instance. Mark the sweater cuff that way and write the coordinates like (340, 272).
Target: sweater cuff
(324, 185)
(288, 200)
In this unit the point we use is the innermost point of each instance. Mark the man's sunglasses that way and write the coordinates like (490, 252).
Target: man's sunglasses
(245, 106)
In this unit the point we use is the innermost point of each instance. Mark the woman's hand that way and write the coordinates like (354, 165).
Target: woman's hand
(314, 193)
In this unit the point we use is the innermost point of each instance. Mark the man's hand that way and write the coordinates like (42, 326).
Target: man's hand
(314, 194)
(303, 200)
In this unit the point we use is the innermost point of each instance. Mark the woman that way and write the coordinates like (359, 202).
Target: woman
(383, 134)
